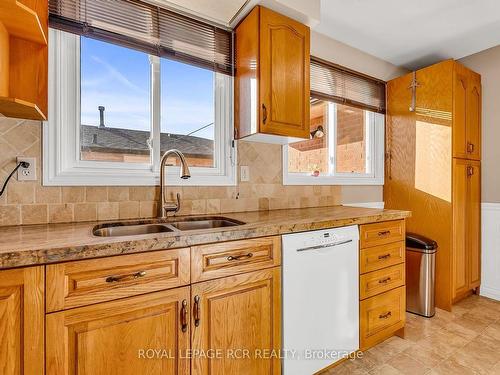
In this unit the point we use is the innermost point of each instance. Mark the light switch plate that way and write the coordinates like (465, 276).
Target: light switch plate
(244, 173)
(26, 174)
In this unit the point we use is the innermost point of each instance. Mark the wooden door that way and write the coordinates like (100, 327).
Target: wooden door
(460, 92)
(460, 197)
(284, 75)
(474, 116)
(21, 321)
(474, 224)
(143, 335)
(240, 316)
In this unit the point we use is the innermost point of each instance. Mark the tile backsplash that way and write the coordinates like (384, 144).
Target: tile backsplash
(31, 203)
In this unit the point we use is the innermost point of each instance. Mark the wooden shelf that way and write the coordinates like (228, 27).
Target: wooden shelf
(21, 21)
(13, 107)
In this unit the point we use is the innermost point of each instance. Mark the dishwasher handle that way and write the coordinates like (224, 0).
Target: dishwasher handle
(324, 246)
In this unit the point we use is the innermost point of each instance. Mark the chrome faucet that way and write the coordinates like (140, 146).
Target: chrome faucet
(165, 205)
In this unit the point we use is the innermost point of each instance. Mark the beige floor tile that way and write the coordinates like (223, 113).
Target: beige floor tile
(477, 356)
(451, 367)
(424, 355)
(443, 343)
(385, 369)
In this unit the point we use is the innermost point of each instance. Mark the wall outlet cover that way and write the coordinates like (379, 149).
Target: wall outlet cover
(26, 174)
(244, 173)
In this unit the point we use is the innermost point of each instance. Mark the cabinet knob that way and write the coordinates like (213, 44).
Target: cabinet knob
(470, 170)
(470, 147)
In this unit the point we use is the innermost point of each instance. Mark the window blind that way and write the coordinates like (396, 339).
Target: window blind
(148, 28)
(344, 86)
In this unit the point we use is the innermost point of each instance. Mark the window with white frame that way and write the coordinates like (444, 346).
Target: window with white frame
(114, 109)
(347, 137)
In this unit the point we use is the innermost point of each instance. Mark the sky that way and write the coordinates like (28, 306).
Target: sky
(118, 78)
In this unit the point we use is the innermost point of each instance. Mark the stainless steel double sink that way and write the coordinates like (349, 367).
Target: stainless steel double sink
(153, 226)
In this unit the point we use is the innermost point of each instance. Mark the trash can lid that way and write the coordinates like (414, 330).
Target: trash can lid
(419, 242)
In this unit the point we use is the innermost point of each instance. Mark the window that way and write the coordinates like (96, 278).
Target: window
(116, 104)
(347, 136)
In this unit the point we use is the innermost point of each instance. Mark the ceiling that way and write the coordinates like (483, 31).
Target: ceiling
(413, 33)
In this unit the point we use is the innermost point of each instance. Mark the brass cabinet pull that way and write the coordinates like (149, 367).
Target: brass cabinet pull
(239, 257)
(132, 276)
(470, 171)
(385, 256)
(196, 311)
(264, 113)
(184, 316)
(470, 147)
(387, 315)
(384, 281)
(384, 233)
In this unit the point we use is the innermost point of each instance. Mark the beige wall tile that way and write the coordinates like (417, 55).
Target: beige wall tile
(21, 192)
(148, 209)
(213, 206)
(10, 215)
(118, 193)
(128, 210)
(85, 211)
(34, 213)
(73, 194)
(96, 194)
(108, 210)
(47, 194)
(143, 193)
(61, 213)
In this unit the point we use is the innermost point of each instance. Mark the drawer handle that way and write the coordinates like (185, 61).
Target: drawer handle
(264, 114)
(239, 257)
(184, 316)
(384, 281)
(385, 256)
(196, 311)
(387, 315)
(384, 233)
(132, 276)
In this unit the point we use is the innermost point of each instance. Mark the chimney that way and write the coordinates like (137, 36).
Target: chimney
(101, 117)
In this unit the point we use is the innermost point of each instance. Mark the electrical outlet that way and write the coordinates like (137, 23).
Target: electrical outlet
(244, 173)
(26, 174)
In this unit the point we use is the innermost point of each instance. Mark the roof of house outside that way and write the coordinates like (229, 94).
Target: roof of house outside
(114, 140)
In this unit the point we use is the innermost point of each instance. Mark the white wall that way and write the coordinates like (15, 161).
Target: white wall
(490, 260)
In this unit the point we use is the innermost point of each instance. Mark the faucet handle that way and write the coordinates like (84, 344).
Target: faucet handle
(178, 203)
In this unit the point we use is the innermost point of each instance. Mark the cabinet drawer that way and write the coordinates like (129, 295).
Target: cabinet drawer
(381, 316)
(231, 258)
(376, 282)
(86, 282)
(378, 257)
(377, 234)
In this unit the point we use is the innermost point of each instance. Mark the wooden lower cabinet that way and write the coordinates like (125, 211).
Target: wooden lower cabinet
(131, 336)
(240, 316)
(21, 321)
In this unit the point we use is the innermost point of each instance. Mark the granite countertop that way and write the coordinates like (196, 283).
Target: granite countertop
(52, 243)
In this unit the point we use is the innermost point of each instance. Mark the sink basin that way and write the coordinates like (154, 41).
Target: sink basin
(205, 223)
(158, 226)
(131, 230)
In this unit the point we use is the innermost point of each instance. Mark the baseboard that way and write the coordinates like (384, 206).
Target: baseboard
(492, 293)
(366, 204)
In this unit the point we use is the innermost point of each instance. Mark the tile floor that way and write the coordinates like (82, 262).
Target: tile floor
(465, 341)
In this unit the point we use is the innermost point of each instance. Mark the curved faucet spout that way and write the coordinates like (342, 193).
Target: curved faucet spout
(165, 206)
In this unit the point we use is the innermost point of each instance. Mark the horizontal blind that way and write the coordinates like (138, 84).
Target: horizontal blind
(344, 86)
(148, 28)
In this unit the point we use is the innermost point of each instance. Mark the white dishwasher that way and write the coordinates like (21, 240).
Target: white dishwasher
(320, 298)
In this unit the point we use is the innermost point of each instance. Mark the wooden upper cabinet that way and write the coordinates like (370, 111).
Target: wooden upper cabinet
(147, 334)
(272, 76)
(240, 312)
(22, 321)
(474, 116)
(24, 58)
(466, 113)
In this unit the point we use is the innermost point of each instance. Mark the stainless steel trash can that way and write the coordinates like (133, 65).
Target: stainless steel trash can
(420, 274)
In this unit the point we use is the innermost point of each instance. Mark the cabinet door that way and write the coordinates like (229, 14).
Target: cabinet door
(284, 76)
(460, 197)
(474, 116)
(474, 224)
(460, 82)
(241, 317)
(21, 321)
(147, 334)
